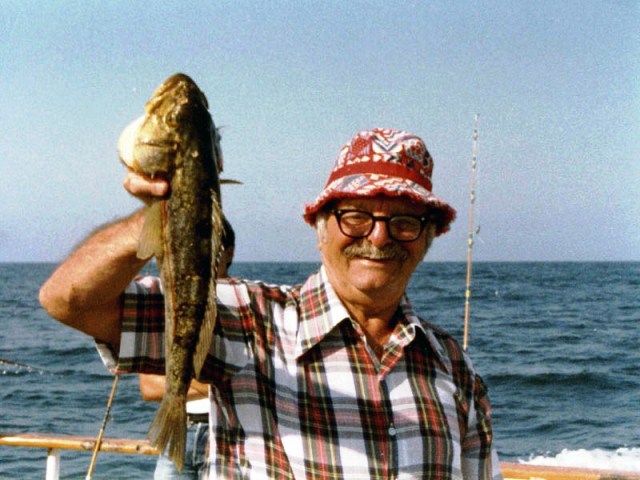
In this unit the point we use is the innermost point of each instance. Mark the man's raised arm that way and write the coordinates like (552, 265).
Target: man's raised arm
(84, 291)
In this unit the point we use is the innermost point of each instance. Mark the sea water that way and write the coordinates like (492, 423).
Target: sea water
(558, 344)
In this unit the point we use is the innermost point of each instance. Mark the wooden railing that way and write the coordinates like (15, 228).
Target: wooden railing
(55, 443)
(518, 471)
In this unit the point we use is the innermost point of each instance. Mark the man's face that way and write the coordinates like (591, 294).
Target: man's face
(351, 264)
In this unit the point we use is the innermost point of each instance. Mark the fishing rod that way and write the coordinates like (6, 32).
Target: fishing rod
(96, 449)
(472, 200)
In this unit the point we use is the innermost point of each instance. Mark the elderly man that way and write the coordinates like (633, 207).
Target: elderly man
(335, 378)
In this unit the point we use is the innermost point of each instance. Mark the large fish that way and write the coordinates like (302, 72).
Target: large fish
(176, 139)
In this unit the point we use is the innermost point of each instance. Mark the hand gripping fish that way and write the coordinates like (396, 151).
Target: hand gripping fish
(177, 140)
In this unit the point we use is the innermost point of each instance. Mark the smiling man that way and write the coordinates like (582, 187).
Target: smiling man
(370, 248)
(334, 378)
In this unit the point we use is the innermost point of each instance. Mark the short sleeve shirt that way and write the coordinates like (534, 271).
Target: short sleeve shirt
(296, 392)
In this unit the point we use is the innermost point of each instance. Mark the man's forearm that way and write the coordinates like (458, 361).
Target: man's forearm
(152, 388)
(84, 291)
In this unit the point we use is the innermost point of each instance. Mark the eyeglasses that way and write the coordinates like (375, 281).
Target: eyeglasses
(359, 224)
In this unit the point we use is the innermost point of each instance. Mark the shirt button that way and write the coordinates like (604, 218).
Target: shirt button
(392, 431)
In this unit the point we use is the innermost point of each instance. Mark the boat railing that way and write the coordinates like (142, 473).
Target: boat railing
(55, 443)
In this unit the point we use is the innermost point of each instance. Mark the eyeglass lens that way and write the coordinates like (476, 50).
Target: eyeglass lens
(359, 224)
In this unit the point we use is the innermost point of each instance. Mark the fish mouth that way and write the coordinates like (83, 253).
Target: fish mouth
(168, 145)
(127, 141)
(149, 153)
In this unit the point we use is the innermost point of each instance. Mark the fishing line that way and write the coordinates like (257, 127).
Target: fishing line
(29, 368)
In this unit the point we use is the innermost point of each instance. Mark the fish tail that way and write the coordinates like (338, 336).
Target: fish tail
(169, 428)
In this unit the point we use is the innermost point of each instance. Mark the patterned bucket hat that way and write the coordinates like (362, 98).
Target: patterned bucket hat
(384, 162)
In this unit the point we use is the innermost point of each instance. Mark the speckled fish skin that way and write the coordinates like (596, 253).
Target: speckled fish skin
(177, 140)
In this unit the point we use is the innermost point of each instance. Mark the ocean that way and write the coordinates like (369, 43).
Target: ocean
(558, 345)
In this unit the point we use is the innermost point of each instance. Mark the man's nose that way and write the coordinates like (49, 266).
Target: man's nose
(379, 236)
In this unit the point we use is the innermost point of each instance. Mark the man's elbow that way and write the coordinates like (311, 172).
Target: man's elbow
(151, 387)
(148, 396)
(56, 305)
(100, 321)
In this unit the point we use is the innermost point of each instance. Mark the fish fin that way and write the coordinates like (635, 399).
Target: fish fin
(150, 243)
(169, 324)
(169, 428)
(206, 337)
(206, 334)
(229, 181)
(211, 310)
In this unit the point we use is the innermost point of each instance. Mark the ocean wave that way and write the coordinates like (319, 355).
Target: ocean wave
(624, 458)
(535, 376)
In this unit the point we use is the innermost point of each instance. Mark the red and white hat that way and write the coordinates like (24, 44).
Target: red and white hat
(383, 162)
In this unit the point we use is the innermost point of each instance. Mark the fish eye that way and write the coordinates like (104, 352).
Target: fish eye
(171, 120)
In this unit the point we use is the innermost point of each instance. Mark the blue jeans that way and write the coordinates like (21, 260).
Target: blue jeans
(195, 457)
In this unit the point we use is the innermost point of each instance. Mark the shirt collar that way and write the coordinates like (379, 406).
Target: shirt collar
(321, 311)
(416, 324)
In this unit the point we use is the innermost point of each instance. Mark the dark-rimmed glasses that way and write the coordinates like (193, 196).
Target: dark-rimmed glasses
(360, 224)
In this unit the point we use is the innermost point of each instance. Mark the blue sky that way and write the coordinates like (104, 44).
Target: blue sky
(556, 84)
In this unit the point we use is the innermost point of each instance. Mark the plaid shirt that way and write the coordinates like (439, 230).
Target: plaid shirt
(296, 392)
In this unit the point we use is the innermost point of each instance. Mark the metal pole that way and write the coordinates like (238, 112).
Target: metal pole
(53, 464)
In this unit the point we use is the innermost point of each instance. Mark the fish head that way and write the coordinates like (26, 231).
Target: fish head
(177, 116)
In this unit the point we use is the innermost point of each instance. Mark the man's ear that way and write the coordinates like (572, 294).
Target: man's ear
(321, 231)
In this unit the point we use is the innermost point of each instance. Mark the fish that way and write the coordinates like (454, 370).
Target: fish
(176, 139)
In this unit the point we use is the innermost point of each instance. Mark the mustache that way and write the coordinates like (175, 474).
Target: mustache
(366, 250)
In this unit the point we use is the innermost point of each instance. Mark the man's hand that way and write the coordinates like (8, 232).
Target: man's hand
(145, 188)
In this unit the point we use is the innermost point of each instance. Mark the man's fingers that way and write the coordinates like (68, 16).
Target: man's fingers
(143, 187)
